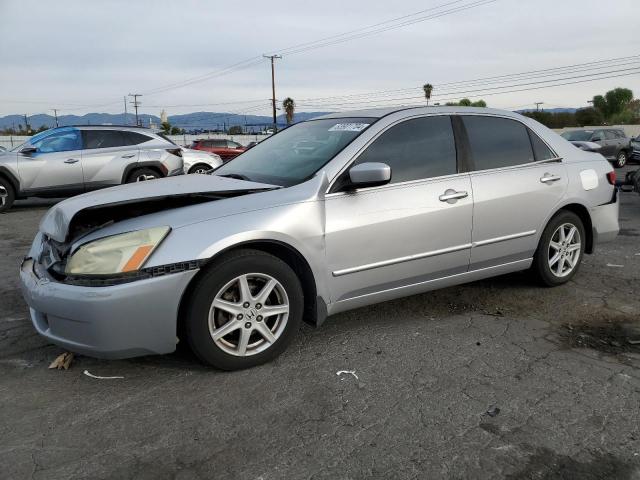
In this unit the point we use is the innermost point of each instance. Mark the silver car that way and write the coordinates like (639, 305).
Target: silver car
(387, 203)
(198, 161)
(66, 161)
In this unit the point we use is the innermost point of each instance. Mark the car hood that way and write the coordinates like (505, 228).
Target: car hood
(141, 198)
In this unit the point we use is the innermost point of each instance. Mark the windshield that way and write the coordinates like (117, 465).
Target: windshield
(578, 135)
(295, 154)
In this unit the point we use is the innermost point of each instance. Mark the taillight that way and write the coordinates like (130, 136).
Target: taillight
(175, 151)
(611, 177)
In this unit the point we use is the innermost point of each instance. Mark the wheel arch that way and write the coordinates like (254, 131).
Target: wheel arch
(315, 308)
(583, 213)
(11, 178)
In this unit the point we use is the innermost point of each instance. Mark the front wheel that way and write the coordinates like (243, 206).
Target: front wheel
(201, 168)
(621, 159)
(7, 195)
(244, 310)
(560, 250)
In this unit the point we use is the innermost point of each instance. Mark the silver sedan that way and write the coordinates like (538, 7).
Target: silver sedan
(380, 204)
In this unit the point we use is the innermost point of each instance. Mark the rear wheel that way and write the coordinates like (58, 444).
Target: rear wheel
(244, 310)
(560, 250)
(621, 159)
(142, 175)
(200, 168)
(7, 194)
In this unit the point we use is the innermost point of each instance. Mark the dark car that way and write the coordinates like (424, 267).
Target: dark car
(615, 145)
(635, 149)
(227, 149)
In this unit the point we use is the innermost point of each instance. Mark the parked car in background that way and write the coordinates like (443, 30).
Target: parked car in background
(66, 161)
(388, 203)
(615, 146)
(197, 161)
(226, 149)
(635, 149)
(3, 149)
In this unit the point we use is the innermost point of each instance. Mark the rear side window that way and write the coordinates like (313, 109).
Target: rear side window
(102, 139)
(540, 149)
(497, 142)
(134, 138)
(415, 149)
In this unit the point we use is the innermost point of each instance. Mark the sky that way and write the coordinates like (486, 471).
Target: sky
(84, 56)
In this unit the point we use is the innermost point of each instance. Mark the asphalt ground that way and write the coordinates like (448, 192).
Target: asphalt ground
(494, 379)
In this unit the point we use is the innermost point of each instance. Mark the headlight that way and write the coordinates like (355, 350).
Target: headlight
(121, 253)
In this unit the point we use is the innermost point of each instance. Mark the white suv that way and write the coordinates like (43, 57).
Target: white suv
(67, 161)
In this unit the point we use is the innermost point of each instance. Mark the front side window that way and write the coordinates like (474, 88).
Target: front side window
(497, 142)
(415, 149)
(102, 139)
(597, 137)
(60, 141)
(610, 135)
(278, 161)
(233, 144)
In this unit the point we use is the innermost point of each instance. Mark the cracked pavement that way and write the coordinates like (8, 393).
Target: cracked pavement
(429, 367)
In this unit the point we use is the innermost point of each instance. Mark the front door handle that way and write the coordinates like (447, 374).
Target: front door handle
(548, 178)
(71, 160)
(129, 156)
(451, 196)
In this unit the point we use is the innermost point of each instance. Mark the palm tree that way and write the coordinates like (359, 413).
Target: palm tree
(289, 107)
(428, 88)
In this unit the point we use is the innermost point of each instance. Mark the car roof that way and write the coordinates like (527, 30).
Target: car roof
(383, 112)
(107, 127)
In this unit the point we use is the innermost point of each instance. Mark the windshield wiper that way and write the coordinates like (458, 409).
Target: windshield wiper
(237, 176)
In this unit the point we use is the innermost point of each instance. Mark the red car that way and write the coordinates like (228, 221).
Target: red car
(227, 149)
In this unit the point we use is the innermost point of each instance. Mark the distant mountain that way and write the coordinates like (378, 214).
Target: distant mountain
(188, 121)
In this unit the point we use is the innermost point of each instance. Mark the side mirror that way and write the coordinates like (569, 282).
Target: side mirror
(370, 174)
(28, 150)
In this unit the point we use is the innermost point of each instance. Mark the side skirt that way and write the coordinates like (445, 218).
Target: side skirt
(421, 287)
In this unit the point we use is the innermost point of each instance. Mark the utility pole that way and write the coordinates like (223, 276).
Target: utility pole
(537, 104)
(136, 104)
(55, 113)
(26, 124)
(126, 120)
(273, 88)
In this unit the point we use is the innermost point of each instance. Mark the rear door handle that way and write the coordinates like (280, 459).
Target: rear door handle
(71, 160)
(548, 178)
(450, 195)
(129, 156)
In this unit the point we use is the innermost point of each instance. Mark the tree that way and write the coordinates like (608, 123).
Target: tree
(588, 117)
(166, 128)
(235, 130)
(289, 107)
(614, 102)
(428, 88)
(465, 102)
(176, 131)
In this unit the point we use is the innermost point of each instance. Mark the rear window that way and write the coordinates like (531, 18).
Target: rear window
(93, 139)
(497, 142)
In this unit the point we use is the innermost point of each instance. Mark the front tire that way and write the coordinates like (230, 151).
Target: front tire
(7, 195)
(560, 250)
(621, 159)
(201, 168)
(244, 310)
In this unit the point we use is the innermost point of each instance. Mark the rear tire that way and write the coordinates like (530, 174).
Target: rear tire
(7, 195)
(621, 159)
(244, 310)
(142, 175)
(201, 168)
(560, 251)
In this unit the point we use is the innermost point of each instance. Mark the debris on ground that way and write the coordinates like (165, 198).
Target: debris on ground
(493, 410)
(614, 265)
(348, 372)
(97, 377)
(62, 361)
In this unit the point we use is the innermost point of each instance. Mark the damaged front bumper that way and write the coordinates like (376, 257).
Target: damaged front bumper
(118, 321)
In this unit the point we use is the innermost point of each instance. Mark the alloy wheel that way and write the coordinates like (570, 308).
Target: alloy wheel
(248, 314)
(622, 159)
(3, 196)
(564, 250)
(144, 178)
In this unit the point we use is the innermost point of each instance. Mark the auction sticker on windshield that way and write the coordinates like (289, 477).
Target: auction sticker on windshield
(348, 127)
